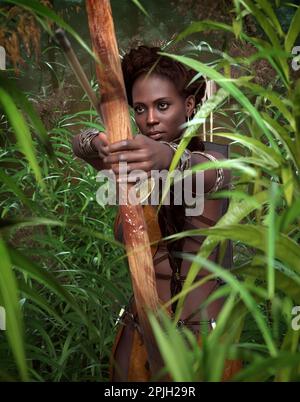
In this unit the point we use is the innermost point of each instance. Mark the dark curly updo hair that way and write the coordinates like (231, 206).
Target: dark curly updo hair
(145, 59)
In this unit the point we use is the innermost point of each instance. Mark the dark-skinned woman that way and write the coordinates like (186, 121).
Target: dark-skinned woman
(157, 89)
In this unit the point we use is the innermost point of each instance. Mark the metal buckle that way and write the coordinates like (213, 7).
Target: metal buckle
(120, 315)
(213, 323)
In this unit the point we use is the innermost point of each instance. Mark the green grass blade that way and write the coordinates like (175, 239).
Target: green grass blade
(273, 97)
(283, 135)
(263, 21)
(46, 278)
(260, 44)
(140, 6)
(264, 369)
(268, 9)
(257, 147)
(9, 292)
(169, 339)
(22, 133)
(271, 238)
(236, 212)
(290, 215)
(293, 32)
(286, 249)
(27, 107)
(244, 294)
(285, 281)
(11, 185)
(33, 295)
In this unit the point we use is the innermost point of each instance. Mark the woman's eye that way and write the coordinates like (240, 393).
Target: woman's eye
(163, 106)
(139, 109)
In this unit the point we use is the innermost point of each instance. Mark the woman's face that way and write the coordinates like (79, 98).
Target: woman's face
(159, 108)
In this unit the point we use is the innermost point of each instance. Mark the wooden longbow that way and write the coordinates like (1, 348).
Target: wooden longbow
(115, 113)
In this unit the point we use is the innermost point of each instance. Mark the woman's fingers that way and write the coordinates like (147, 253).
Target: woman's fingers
(132, 177)
(124, 145)
(120, 169)
(129, 157)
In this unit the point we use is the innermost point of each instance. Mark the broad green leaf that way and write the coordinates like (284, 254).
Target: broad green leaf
(203, 26)
(22, 223)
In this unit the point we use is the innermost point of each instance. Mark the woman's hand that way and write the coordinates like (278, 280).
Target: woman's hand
(140, 153)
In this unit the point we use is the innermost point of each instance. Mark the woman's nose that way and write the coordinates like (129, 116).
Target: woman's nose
(151, 117)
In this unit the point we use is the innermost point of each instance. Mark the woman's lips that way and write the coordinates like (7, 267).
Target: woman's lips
(155, 136)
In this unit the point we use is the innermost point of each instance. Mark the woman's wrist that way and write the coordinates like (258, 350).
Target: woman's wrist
(83, 145)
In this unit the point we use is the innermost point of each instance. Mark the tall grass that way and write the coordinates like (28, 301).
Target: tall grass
(58, 254)
(60, 257)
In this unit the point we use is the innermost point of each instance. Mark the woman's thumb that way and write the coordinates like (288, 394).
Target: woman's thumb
(103, 137)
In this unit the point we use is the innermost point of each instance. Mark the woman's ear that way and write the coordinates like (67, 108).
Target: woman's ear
(190, 105)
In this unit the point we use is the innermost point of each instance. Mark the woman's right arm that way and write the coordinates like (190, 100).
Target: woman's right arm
(92, 147)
